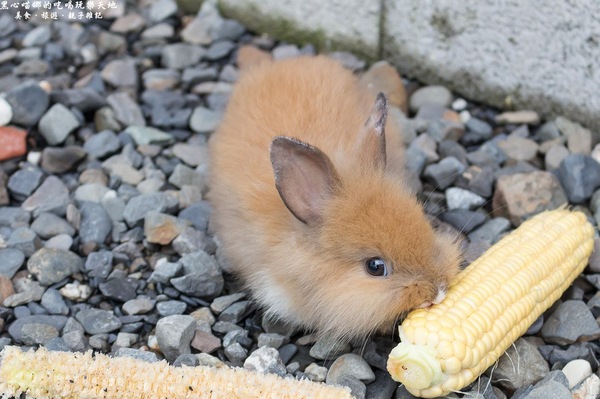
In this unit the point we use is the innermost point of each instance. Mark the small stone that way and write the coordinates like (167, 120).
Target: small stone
(97, 321)
(6, 113)
(384, 386)
(204, 120)
(181, 55)
(204, 359)
(28, 102)
(126, 110)
(159, 31)
(568, 127)
(518, 118)
(48, 225)
(148, 135)
(160, 228)
(50, 266)
(12, 142)
(219, 304)
(186, 359)
(427, 146)
(174, 335)
(571, 321)
(22, 183)
(11, 260)
(219, 50)
(463, 220)
(38, 334)
(315, 373)
(491, 230)
(236, 312)
(589, 389)
(554, 157)
(92, 192)
(27, 291)
(15, 329)
(248, 56)
(96, 225)
(580, 176)
(169, 308)
(76, 292)
(125, 340)
(54, 303)
(102, 144)
(162, 9)
(383, 77)
(510, 377)
(85, 99)
(136, 209)
(272, 340)
(577, 371)
(164, 272)
(185, 176)
(350, 365)
(522, 195)
(265, 360)
(61, 159)
(445, 172)
(477, 132)
(145, 356)
(119, 289)
(239, 335)
(348, 60)
(25, 240)
(284, 51)
(205, 342)
(120, 72)
(236, 353)
(140, 305)
(327, 347)
(458, 198)
(519, 149)
(128, 23)
(432, 95)
(197, 213)
(105, 119)
(57, 123)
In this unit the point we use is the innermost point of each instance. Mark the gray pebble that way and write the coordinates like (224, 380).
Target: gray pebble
(102, 144)
(383, 387)
(491, 230)
(57, 345)
(445, 172)
(223, 302)
(580, 176)
(38, 333)
(61, 159)
(119, 289)
(236, 353)
(138, 354)
(98, 321)
(95, 223)
(204, 120)
(52, 265)
(236, 312)
(186, 359)
(458, 198)
(571, 321)
(287, 352)
(272, 340)
(37, 36)
(11, 260)
(14, 217)
(316, 373)
(126, 110)
(136, 209)
(219, 50)
(27, 291)
(328, 347)
(22, 183)
(165, 271)
(169, 308)
(52, 196)
(143, 135)
(25, 240)
(99, 264)
(85, 99)
(174, 335)
(512, 378)
(91, 192)
(140, 305)
(76, 341)
(463, 220)
(197, 213)
(47, 225)
(15, 330)
(239, 336)
(54, 303)
(28, 102)
(181, 55)
(120, 72)
(57, 123)
(350, 365)
(265, 360)
(430, 95)
(478, 131)
(202, 277)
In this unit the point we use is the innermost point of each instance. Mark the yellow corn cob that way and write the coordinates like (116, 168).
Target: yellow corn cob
(43, 374)
(491, 303)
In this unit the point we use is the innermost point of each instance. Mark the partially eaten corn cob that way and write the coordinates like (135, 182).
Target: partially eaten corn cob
(43, 374)
(491, 303)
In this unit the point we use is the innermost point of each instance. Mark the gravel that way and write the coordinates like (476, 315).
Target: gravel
(105, 240)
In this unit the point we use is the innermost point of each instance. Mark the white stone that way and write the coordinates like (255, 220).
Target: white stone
(6, 113)
(589, 389)
(458, 198)
(459, 104)
(464, 116)
(576, 371)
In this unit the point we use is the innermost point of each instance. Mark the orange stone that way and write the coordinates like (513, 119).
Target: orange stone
(12, 142)
(249, 55)
(383, 77)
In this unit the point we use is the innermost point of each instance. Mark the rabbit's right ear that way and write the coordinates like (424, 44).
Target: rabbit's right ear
(305, 178)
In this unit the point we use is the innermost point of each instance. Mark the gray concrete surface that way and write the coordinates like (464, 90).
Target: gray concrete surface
(534, 54)
(331, 24)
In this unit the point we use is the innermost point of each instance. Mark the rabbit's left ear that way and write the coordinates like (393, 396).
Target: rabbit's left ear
(371, 139)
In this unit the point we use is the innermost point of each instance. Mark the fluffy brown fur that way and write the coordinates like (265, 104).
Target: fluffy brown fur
(313, 275)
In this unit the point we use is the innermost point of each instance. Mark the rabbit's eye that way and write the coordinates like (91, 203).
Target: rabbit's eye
(376, 267)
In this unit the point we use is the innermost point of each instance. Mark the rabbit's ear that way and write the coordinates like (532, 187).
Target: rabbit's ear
(305, 178)
(371, 139)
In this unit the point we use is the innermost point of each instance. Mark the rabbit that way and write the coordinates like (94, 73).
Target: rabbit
(311, 207)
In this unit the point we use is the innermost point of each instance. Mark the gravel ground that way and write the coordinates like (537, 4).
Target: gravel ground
(103, 224)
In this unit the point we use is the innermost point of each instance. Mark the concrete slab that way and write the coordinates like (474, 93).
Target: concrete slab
(329, 25)
(513, 54)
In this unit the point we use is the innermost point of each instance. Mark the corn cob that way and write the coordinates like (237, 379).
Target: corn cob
(43, 374)
(490, 304)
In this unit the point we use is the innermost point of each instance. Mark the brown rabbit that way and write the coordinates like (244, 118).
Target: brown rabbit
(312, 211)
